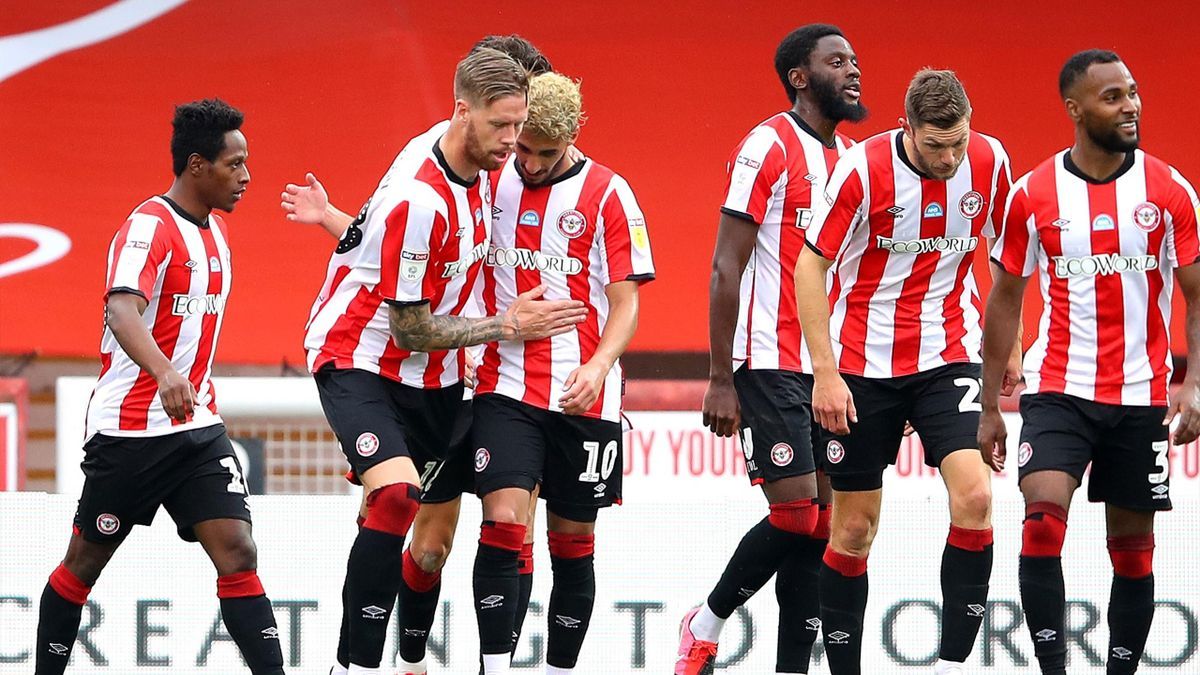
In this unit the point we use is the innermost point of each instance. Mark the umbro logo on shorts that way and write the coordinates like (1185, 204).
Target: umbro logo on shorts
(814, 623)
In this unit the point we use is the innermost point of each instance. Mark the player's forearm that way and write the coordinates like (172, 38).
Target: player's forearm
(1192, 327)
(1001, 325)
(723, 300)
(131, 333)
(618, 329)
(335, 221)
(812, 308)
(429, 333)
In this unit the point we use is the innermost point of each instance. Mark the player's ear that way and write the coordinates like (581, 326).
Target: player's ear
(462, 109)
(1073, 109)
(195, 164)
(798, 78)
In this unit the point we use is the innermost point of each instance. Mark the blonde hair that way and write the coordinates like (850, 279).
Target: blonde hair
(555, 107)
(486, 75)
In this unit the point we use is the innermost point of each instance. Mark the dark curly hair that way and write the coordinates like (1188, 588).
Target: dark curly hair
(200, 128)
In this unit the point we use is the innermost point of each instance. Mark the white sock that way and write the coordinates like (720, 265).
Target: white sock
(943, 667)
(496, 664)
(339, 669)
(363, 670)
(707, 626)
(555, 670)
(406, 667)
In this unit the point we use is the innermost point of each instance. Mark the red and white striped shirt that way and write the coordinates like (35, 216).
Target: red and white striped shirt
(902, 246)
(581, 232)
(182, 268)
(420, 238)
(1104, 253)
(773, 175)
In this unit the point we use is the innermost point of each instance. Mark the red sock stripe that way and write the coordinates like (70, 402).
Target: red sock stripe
(798, 517)
(416, 578)
(846, 565)
(240, 585)
(525, 559)
(392, 508)
(508, 536)
(1132, 556)
(821, 530)
(1044, 530)
(571, 546)
(69, 586)
(969, 540)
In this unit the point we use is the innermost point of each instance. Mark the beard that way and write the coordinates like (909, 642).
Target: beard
(1111, 139)
(475, 152)
(831, 104)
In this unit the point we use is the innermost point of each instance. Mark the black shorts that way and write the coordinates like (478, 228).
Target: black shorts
(941, 404)
(376, 419)
(456, 475)
(777, 427)
(194, 474)
(577, 460)
(1127, 447)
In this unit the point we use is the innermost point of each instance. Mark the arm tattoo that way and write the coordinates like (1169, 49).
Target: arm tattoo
(415, 329)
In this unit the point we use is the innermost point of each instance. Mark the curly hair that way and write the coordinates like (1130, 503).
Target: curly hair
(200, 128)
(555, 107)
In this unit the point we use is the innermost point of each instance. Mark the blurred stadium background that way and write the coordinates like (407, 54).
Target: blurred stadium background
(86, 90)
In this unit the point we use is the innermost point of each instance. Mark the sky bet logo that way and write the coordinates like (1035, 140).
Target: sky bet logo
(187, 305)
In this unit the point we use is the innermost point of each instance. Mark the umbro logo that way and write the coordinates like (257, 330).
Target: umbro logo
(814, 623)
(897, 211)
(1159, 489)
(491, 601)
(810, 178)
(1045, 635)
(373, 612)
(58, 650)
(270, 633)
(1061, 222)
(745, 592)
(1121, 653)
(599, 489)
(496, 210)
(838, 637)
(414, 632)
(567, 621)
(974, 610)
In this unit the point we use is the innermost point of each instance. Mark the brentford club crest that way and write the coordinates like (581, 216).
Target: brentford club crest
(835, 452)
(571, 223)
(482, 458)
(1024, 454)
(107, 523)
(367, 444)
(1147, 216)
(782, 454)
(970, 205)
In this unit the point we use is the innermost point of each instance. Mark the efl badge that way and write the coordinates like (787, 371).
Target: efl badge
(637, 234)
(782, 454)
(970, 205)
(835, 452)
(367, 444)
(571, 223)
(1024, 454)
(412, 264)
(482, 457)
(1147, 216)
(107, 523)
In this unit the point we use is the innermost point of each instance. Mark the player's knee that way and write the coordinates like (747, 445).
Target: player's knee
(855, 532)
(238, 554)
(1044, 530)
(797, 517)
(87, 561)
(430, 551)
(973, 505)
(1132, 555)
(392, 508)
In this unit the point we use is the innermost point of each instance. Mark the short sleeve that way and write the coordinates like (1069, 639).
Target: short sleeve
(753, 174)
(1183, 240)
(1003, 186)
(412, 235)
(1015, 249)
(626, 240)
(837, 212)
(136, 256)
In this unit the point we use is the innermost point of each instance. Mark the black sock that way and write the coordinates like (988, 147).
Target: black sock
(58, 622)
(251, 623)
(755, 561)
(496, 585)
(343, 647)
(372, 583)
(525, 579)
(419, 592)
(966, 570)
(843, 594)
(1043, 599)
(572, 597)
(797, 588)
(1130, 613)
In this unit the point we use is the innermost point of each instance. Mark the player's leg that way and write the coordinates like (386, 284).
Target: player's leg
(209, 506)
(508, 464)
(421, 582)
(1131, 599)
(342, 667)
(63, 598)
(1055, 449)
(572, 539)
(797, 590)
(777, 442)
(525, 571)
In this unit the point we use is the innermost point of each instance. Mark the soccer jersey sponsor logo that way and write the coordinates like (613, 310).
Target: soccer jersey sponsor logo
(482, 458)
(107, 523)
(746, 161)
(835, 452)
(1147, 216)
(145, 246)
(529, 218)
(1102, 265)
(930, 245)
(214, 265)
(523, 258)
(187, 305)
(412, 264)
(782, 454)
(367, 444)
(1024, 454)
(461, 265)
(934, 210)
(571, 223)
(970, 205)
(1103, 222)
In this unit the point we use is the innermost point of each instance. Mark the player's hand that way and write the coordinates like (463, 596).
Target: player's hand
(721, 410)
(1185, 404)
(908, 429)
(529, 318)
(305, 203)
(993, 439)
(177, 395)
(1013, 373)
(469, 371)
(833, 404)
(582, 388)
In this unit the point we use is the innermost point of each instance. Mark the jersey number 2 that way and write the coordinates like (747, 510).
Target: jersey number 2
(970, 400)
(236, 484)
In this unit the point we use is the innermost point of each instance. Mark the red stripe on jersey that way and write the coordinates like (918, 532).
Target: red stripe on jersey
(906, 342)
(537, 358)
(598, 180)
(347, 330)
(1110, 301)
(117, 247)
(435, 288)
(831, 158)
(882, 178)
(208, 329)
(1054, 366)
(791, 241)
(1158, 340)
